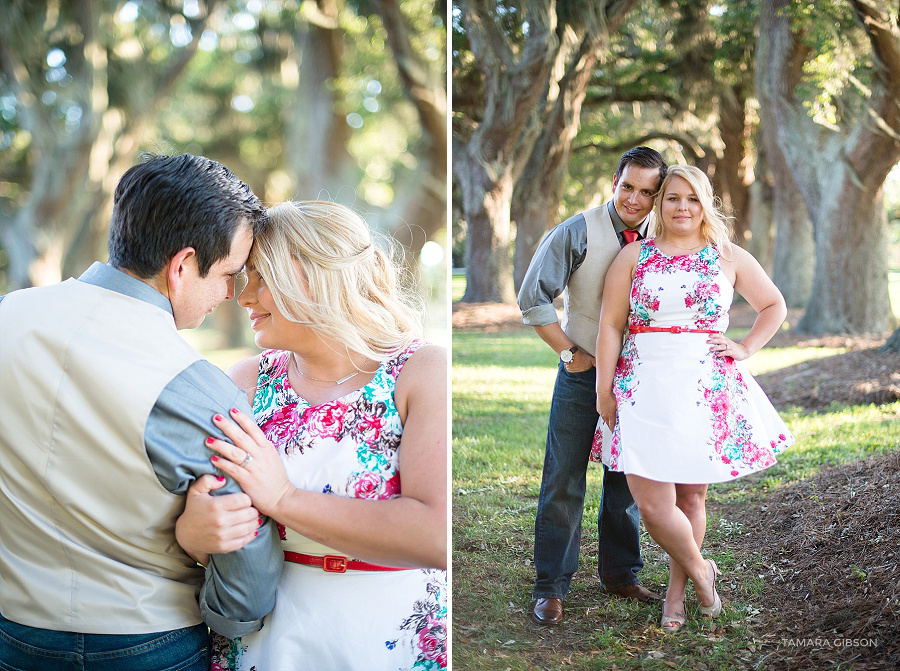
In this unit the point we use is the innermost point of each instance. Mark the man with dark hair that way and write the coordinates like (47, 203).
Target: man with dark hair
(105, 412)
(572, 259)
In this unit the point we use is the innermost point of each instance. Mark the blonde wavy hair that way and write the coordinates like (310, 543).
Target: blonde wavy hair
(716, 225)
(320, 261)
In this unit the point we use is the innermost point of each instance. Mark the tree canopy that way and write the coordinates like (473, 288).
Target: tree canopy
(690, 79)
(336, 99)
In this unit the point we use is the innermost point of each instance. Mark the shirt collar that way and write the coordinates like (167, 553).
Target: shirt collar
(107, 277)
(620, 226)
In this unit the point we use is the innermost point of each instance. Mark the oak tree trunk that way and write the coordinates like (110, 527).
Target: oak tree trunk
(850, 284)
(424, 209)
(538, 190)
(734, 131)
(488, 259)
(489, 164)
(73, 173)
(839, 172)
(779, 64)
(316, 124)
(793, 252)
(533, 217)
(760, 240)
(893, 343)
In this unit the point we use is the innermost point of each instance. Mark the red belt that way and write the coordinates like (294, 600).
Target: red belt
(666, 329)
(334, 563)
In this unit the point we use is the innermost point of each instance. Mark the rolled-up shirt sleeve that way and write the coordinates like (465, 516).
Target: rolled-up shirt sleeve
(558, 255)
(239, 587)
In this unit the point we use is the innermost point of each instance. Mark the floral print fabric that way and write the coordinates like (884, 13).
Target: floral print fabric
(356, 620)
(365, 419)
(683, 414)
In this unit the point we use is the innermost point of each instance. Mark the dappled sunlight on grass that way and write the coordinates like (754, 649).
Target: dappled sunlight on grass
(511, 349)
(502, 384)
(499, 420)
(497, 383)
(774, 358)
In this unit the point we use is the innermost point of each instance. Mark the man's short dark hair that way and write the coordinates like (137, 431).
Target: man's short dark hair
(644, 157)
(166, 203)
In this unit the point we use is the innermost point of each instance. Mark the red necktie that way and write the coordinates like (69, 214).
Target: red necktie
(629, 236)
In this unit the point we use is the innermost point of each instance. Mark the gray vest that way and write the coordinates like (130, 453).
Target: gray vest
(87, 538)
(581, 299)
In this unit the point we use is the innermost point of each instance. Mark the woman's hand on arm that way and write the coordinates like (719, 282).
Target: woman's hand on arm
(263, 477)
(214, 524)
(408, 531)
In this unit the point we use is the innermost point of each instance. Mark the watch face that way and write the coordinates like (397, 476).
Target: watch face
(566, 356)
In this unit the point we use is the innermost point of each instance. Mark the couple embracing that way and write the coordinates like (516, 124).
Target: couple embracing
(146, 497)
(647, 382)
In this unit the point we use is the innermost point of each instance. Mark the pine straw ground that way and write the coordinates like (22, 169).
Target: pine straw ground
(832, 542)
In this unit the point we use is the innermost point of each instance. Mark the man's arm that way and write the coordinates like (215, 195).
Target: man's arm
(553, 335)
(239, 587)
(558, 255)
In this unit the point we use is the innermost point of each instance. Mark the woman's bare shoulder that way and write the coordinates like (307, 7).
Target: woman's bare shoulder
(244, 372)
(426, 367)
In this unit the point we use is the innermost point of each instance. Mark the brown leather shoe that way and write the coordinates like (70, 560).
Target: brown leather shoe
(547, 611)
(636, 593)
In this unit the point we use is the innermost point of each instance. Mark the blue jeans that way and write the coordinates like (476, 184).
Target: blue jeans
(557, 525)
(29, 649)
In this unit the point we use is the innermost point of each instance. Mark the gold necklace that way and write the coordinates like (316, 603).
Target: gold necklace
(688, 249)
(334, 382)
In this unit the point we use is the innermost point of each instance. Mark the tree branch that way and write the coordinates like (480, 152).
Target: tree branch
(690, 145)
(428, 99)
(489, 45)
(884, 36)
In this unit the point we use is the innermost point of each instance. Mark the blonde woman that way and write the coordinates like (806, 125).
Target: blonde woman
(347, 452)
(677, 410)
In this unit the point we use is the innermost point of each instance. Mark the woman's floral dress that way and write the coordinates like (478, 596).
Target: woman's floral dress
(370, 621)
(684, 414)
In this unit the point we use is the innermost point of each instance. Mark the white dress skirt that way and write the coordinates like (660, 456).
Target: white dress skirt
(684, 414)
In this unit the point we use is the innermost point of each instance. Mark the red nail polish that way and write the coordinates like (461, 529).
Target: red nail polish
(255, 534)
(259, 521)
(220, 478)
(217, 418)
(214, 458)
(209, 441)
(234, 411)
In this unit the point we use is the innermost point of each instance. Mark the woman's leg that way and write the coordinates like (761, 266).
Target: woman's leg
(691, 500)
(674, 531)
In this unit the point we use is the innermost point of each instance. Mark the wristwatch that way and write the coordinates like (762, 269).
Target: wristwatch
(567, 355)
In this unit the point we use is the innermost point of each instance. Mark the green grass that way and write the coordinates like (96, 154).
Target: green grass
(457, 284)
(501, 394)
(774, 358)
